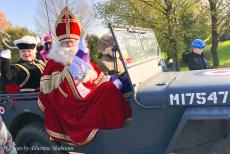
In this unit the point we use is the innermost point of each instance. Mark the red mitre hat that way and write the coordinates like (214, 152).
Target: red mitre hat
(67, 26)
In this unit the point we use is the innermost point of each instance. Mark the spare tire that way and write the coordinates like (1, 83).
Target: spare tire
(33, 139)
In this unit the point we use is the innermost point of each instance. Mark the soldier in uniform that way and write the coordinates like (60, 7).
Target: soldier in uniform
(107, 60)
(24, 75)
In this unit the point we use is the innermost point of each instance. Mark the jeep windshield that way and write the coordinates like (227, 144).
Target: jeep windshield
(140, 52)
(137, 46)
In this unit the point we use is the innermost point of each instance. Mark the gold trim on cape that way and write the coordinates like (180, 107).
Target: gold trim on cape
(58, 135)
(73, 87)
(62, 92)
(67, 138)
(50, 82)
(41, 105)
(99, 80)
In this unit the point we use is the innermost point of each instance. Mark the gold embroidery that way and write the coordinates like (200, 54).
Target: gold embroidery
(67, 14)
(51, 82)
(67, 138)
(42, 63)
(73, 87)
(90, 137)
(27, 74)
(62, 92)
(39, 65)
(73, 36)
(58, 135)
(27, 89)
(41, 105)
(99, 79)
(67, 28)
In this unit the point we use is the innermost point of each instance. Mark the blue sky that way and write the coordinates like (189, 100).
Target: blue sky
(22, 13)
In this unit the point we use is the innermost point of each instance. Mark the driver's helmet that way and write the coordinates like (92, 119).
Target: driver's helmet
(198, 43)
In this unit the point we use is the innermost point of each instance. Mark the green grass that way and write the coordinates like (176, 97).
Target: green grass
(223, 53)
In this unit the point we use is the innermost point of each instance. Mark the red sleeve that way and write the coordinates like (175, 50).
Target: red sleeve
(12, 88)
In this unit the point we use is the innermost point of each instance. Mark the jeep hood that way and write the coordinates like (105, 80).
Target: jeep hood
(159, 89)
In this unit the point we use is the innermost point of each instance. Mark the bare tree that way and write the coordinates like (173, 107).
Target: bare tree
(48, 11)
(220, 23)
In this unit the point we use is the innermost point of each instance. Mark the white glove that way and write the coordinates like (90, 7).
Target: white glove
(5, 54)
(79, 68)
(117, 83)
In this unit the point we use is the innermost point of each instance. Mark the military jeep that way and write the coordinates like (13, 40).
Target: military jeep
(173, 112)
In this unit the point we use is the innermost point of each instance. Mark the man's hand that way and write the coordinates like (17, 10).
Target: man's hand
(5, 54)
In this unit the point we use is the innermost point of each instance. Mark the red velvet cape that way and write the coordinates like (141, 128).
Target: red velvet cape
(72, 119)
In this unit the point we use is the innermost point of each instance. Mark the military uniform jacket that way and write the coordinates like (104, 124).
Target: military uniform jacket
(22, 76)
(106, 64)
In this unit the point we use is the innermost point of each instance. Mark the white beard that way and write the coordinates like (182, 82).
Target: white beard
(61, 54)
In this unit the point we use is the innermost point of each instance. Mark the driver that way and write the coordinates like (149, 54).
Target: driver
(107, 60)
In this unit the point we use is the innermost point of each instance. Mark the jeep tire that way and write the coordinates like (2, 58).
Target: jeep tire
(33, 139)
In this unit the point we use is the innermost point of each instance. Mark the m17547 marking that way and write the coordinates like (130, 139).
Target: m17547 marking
(200, 98)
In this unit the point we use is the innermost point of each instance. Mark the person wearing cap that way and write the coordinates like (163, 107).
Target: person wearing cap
(77, 98)
(47, 46)
(24, 75)
(106, 63)
(196, 60)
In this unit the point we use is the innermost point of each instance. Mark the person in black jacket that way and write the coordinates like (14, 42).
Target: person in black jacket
(25, 74)
(196, 60)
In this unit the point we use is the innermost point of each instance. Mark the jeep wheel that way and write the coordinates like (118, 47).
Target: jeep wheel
(33, 139)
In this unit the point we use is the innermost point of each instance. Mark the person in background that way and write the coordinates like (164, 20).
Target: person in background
(39, 47)
(76, 97)
(196, 60)
(24, 75)
(106, 63)
(47, 46)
